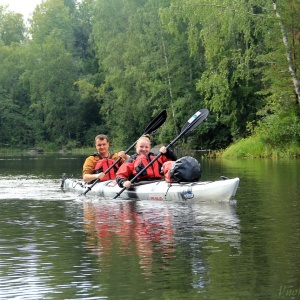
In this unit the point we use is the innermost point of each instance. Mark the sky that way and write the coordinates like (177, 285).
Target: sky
(24, 7)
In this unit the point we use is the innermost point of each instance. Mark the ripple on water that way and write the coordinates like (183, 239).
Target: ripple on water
(32, 188)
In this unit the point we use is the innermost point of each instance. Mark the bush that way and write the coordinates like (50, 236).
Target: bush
(279, 130)
(249, 147)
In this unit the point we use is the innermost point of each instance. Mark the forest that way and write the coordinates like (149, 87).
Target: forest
(76, 69)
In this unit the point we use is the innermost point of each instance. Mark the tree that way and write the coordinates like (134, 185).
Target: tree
(51, 72)
(14, 129)
(52, 17)
(12, 29)
(144, 67)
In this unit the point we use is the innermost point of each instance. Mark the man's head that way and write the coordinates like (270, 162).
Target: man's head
(102, 144)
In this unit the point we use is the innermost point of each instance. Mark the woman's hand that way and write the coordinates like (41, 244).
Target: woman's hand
(163, 149)
(127, 184)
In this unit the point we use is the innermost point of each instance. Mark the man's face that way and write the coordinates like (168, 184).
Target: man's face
(102, 147)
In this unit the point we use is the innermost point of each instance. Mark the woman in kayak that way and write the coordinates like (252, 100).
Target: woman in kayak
(95, 165)
(134, 164)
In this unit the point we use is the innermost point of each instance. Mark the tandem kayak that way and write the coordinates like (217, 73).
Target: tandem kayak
(220, 190)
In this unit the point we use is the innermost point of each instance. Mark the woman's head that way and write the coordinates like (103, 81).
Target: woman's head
(143, 145)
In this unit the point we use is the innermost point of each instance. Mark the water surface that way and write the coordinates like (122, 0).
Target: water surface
(57, 245)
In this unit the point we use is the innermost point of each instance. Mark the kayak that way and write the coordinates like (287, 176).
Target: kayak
(220, 190)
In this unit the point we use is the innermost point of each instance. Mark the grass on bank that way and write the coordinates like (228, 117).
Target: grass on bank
(254, 146)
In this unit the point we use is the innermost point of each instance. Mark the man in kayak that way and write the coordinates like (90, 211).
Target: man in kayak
(95, 165)
(141, 159)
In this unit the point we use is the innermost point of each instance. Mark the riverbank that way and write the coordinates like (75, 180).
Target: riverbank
(252, 147)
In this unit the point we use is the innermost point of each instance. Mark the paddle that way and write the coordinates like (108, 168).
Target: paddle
(191, 124)
(154, 125)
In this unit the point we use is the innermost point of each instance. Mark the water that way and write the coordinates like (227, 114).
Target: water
(57, 245)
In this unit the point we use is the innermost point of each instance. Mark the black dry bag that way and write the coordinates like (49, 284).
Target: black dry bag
(185, 169)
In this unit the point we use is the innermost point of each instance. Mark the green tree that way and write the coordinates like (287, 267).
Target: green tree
(51, 72)
(51, 79)
(227, 32)
(14, 128)
(14, 124)
(53, 18)
(146, 68)
(281, 114)
(12, 29)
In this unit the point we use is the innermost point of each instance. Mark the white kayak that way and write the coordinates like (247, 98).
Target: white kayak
(220, 190)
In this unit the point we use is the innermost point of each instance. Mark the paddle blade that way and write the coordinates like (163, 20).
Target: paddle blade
(195, 120)
(156, 122)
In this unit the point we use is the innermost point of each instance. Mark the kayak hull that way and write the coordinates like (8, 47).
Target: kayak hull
(220, 190)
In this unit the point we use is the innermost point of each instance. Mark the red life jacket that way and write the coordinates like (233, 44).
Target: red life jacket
(103, 164)
(152, 172)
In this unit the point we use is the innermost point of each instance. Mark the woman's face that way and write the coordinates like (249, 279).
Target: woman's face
(143, 147)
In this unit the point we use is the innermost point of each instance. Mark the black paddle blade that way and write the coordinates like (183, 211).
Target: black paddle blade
(195, 120)
(156, 122)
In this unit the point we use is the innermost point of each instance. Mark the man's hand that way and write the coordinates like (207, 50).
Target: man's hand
(123, 155)
(100, 175)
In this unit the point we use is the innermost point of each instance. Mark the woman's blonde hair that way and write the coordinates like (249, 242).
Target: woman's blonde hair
(145, 137)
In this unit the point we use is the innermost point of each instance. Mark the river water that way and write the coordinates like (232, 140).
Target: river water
(57, 245)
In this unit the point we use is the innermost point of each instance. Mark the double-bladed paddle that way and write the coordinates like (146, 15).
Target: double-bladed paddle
(154, 125)
(191, 124)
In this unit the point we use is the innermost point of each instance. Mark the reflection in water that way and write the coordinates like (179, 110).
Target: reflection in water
(136, 229)
(169, 242)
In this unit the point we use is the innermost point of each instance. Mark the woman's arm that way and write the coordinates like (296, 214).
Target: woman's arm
(124, 172)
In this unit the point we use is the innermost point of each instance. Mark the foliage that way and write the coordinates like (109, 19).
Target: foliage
(12, 29)
(280, 129)
(250, 147)
(81, 68)
(256, 147)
